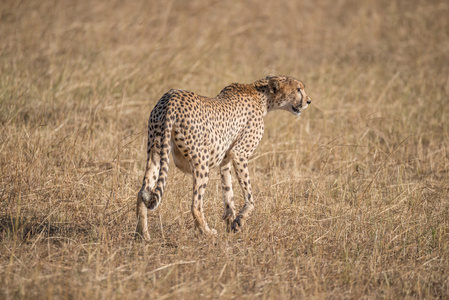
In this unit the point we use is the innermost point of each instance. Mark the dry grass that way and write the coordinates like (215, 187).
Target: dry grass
(352, 198)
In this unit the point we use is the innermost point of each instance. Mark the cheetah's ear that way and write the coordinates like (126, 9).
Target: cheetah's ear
(273, 85)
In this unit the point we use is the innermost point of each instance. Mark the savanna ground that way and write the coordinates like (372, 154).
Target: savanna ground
(352, 197)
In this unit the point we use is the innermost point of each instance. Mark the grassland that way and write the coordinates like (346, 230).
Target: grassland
(352, 197)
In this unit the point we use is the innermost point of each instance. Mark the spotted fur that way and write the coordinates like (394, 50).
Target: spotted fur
(203, 133)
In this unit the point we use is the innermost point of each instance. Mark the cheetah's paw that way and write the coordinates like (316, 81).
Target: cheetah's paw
(237, 224)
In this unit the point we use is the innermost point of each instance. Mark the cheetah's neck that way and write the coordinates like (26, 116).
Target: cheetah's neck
(257, 92)
(261, 87)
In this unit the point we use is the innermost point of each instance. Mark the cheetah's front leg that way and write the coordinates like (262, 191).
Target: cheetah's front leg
(241, 169)
(228, 195)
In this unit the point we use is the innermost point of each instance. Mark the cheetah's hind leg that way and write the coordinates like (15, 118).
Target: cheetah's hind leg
(200, 179)
(228, 195)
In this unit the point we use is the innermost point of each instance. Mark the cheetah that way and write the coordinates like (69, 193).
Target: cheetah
(203, 133)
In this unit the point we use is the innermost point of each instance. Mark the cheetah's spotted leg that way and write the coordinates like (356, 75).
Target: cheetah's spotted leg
(200, 179)
(228, 195)
(241, 169)
(149, 181)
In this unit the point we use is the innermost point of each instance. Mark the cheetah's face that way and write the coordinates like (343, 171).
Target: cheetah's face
(288, 94)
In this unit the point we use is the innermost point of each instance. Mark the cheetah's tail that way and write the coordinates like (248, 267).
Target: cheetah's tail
(154, 199)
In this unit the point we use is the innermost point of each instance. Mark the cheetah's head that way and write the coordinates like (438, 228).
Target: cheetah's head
(286, 93)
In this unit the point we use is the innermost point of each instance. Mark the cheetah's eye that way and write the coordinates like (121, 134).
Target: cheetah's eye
(299, 90)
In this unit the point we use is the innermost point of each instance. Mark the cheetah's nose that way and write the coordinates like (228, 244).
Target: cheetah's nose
(309, 101)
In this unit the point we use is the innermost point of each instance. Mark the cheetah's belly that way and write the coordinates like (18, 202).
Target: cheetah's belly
(181, 162)
(180, 152)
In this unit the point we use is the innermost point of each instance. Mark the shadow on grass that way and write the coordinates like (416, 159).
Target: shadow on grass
(28, 228)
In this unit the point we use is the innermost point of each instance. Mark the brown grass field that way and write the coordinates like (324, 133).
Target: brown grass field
(352, 198)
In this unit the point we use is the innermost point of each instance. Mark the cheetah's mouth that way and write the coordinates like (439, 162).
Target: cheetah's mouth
(296, 110)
